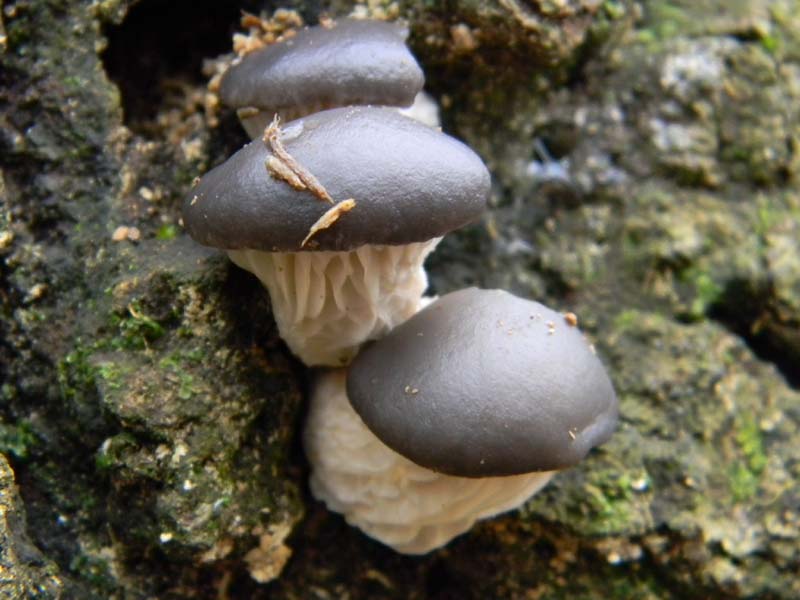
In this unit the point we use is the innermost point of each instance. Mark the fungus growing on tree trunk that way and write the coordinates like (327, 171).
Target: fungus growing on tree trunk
(462, 412)
(362, 274)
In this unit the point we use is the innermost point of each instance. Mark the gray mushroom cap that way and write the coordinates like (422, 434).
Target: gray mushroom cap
(352, 62)
(410, 182)
(482, 383)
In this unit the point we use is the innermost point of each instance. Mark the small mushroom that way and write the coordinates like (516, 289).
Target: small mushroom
(408, 507)
(336, 282)
(345, 63)
(461, 412)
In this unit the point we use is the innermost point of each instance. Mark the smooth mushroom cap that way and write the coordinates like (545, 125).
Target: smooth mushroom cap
(483, 383)
(352, 62)
(410, 183)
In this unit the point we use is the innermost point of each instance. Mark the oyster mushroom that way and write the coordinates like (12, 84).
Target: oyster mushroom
(346, 63)
(336, 283)
(462, 412)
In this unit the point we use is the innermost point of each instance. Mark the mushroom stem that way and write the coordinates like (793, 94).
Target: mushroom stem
(410, 508)
(326, 304)
(255, 121)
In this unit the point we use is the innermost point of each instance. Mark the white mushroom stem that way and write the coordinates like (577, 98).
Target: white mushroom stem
(405, 506)
(424, 109)
(327, 304)
(255, 121)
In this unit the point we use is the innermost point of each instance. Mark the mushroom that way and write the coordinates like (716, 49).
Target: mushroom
(339, 278)
(462, 412)
(347, 62)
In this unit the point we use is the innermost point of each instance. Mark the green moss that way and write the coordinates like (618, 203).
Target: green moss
(111, 453)
(79, 372)
(71, 81)
(111, 374)
(93, 570)
(771, 43)
(749, 438)
(745, 475)
(638, 323)
(136, 329)
(184, 355)
(7, 392)
(707, 293)
(767, 217)
(177, 363)
(168, 231)
(17, 439)
(666, 20)
(743, 482)
(608, 499)
(626, 320)
(76, 374)
(614, 9)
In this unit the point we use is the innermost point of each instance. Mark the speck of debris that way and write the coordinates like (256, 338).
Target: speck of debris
(374, 575)
(247, 112)
(179, 452)
(6, 237)
(264, 31)
(463, 38)
(410, 390)
(382, 11)
(571, 319)
(266, 561)
(283, 165)
(491, 228)
(36, 292)
(124, 232)
(329, 218)
(551, 328)
(572, 433)
(192, 149)
(149, 194)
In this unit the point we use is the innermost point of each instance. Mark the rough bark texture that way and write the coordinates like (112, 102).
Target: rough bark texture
(151, 414)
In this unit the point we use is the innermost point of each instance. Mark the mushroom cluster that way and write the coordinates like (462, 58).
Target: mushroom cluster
(339, 272)
(426, 419)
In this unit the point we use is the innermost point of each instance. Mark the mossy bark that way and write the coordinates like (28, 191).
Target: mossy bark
(645, 167)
